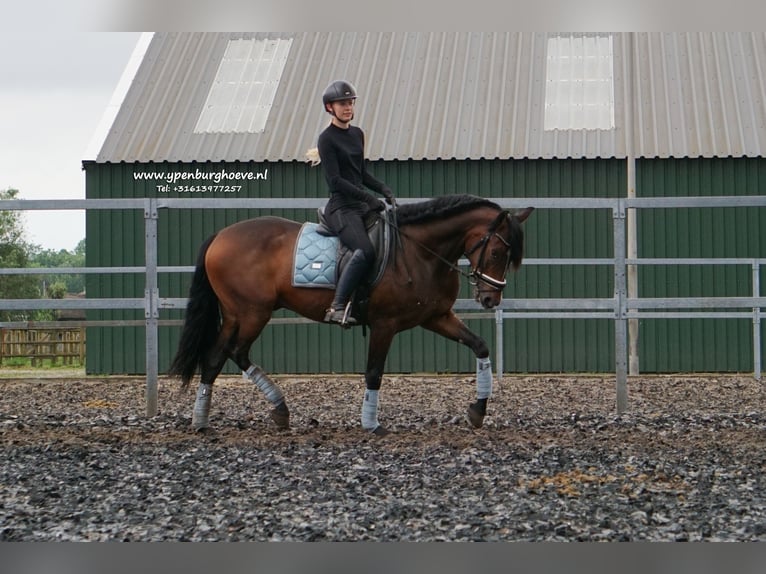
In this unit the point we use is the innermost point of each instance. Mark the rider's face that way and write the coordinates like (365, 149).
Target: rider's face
(343, 109)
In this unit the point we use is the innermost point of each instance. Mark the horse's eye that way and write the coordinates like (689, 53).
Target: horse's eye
(494, 253)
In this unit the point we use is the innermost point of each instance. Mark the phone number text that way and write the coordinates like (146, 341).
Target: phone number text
(199, 188)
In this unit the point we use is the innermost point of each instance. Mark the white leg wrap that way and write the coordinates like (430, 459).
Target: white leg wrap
(483, 378)
(201, 410)
(272, 392)
(370, 410)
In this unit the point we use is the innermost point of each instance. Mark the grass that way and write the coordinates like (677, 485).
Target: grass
(20, 367)
(44, 363)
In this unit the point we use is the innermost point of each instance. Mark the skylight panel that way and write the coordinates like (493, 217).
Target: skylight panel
(243, 90)
(579, 83)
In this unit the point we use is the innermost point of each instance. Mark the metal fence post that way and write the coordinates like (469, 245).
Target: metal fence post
(499, 346)
(151, 306)
(757, 322)
(620, 296)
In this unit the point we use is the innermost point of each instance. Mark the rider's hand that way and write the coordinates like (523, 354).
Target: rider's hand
(375, 204)
(389, 195)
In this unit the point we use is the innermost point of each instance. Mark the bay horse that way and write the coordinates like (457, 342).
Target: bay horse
(244, 272)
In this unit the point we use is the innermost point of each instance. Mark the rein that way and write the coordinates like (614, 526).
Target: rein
(476, 275)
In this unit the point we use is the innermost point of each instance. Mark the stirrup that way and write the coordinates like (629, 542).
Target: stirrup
(341, 317)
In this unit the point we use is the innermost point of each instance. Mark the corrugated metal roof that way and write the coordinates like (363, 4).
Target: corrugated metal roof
(452, 95)
(700, 94)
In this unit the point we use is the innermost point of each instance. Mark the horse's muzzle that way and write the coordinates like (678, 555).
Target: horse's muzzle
(488, 299)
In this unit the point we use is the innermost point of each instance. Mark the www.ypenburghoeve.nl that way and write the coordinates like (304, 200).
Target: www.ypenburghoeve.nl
(199, 175)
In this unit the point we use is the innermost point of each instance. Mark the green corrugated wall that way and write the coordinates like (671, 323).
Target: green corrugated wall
(702, 345)
(116, 238)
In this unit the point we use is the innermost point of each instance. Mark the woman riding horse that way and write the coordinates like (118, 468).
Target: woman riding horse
(341, 151)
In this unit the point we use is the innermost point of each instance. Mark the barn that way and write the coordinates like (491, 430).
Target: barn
(501, 115)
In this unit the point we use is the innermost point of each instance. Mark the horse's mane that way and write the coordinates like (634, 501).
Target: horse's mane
(448, 205)
(440, 207)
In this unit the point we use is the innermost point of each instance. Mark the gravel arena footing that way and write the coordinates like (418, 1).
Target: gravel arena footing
(553, 461)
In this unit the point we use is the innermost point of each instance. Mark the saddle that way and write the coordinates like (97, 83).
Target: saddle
(320, 256)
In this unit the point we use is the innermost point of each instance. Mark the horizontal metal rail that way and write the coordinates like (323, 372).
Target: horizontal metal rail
(35, 304)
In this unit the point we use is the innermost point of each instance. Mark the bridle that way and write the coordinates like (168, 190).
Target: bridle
(477, 274)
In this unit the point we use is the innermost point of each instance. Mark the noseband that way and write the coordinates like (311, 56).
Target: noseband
(477, 273)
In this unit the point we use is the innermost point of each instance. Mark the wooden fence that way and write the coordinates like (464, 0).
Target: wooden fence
(65, 344)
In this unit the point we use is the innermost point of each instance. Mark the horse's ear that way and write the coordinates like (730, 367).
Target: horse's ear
(522, 215)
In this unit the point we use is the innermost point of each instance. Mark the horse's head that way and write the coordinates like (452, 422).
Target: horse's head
(500, 246)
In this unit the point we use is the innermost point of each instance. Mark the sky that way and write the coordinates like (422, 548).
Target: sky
(54, 90)
(58, 74)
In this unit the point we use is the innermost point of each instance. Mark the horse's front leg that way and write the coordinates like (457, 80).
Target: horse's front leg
(448, 325)
(279, 414)
(380, 343)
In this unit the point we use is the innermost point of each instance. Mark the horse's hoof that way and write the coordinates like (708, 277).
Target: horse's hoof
(281, 416)
(379, 431)
(475, 416)
(199, 424)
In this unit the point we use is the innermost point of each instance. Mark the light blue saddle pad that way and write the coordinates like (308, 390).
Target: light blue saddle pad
(316, 259)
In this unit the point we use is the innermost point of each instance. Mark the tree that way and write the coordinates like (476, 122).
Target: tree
(15, 252)
(62, 258)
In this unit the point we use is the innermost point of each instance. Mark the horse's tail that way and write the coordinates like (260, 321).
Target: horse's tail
(201, 325)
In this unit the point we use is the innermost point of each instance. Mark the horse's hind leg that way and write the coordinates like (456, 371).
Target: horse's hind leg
(255, 374)
(201, 412)
(210, 369)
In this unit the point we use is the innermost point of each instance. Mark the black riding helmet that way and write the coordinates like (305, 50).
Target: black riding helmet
(338, 90)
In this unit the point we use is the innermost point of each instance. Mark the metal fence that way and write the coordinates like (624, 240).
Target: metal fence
(619, 308)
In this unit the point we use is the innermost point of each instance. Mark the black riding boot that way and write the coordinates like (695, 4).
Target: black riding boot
(355, 270)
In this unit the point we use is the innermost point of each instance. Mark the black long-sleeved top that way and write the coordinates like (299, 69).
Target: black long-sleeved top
(342, 154)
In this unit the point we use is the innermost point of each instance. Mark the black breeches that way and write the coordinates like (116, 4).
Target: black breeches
(354, 236)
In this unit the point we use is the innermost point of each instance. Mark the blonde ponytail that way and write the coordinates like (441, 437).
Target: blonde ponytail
(312, 156)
